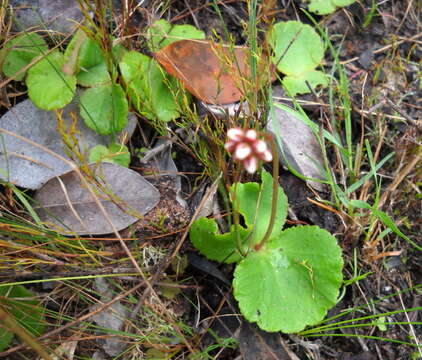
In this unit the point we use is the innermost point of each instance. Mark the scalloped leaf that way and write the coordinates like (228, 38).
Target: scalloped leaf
(220, 247)
(254, 202)
(104, 108)
(19, 53)
(297, 47)
(297, 85)
(92, 66)
(48, 86)
(115, 153)
(20, 303)
(162, 33)
(324, 7)
(292, 281)
(148, 87)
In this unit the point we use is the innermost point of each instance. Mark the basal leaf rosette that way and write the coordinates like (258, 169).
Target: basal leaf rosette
(49, 87)
(299, 85)
(115, 153)
(292, 281)
(297, 51)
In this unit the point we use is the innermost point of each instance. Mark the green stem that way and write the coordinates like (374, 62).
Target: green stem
(236, 217)
(274, 198)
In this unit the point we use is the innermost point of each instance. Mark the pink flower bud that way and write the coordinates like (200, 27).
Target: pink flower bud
(251, 164)
(235, 134)
(260, 146)
(242, 151)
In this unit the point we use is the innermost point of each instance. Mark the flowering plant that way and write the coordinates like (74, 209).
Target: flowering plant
(284, 280)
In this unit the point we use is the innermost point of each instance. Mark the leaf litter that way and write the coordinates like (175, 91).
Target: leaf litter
(65, 204)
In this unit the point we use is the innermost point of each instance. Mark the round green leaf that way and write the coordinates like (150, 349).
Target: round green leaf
(48, 86)
(298, 85)
(220, 247)
(115, 153)
(92, 66)
(148, 87)
(323, 7)
(20, 52)
(254, 202)
(297, 47)
(98, 153)
(104, 108)
(292, 282)
(90, 54)
(162, 33)
(94, 76)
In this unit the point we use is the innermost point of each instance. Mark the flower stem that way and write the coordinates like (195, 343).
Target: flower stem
(275, 196)
(236, 215)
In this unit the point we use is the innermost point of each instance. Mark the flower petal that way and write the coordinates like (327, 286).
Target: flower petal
(266, 156)
(251, 164)
(235, 134)
(242, 151)
(260, 146)
(251, 135)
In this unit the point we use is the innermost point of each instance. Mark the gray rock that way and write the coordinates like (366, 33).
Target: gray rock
(29, 166)
(59, 15)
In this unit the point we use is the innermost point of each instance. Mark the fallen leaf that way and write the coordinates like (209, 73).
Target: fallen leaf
(65, 203)
(299, 148)
(212, 72)
(28, 166)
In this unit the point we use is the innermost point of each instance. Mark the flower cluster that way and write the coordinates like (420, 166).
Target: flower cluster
(246, 147)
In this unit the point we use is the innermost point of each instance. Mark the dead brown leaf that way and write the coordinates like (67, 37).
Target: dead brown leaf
(214, 73)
